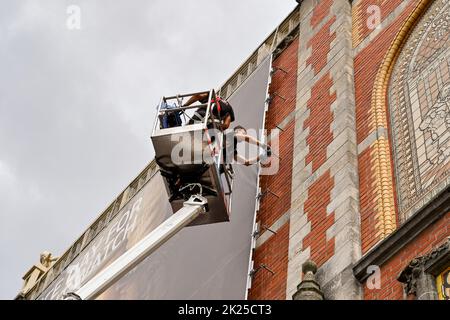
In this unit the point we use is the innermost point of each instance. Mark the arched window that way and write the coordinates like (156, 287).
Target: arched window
(419, 107)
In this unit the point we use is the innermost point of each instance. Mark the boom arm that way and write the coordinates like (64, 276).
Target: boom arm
(192, 208)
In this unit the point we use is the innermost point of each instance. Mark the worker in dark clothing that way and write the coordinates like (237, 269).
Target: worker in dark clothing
(221, 110)
(230, 147)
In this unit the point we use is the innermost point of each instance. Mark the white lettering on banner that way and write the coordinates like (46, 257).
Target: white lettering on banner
(73, 281)
(101, 249)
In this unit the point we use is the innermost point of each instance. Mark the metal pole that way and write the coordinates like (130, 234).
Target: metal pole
(192, 208)
(186, 95)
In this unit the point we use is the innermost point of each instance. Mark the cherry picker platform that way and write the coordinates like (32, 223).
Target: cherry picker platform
(189, 152)
(199, 185)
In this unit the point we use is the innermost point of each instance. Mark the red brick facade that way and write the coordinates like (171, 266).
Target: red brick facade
(428, 240)
(367, 63)
(316, 208)
(320, 45)
(320, 12)
(365, 74)
(274, 252)
(362, 11)
(319, 122)
(369, 51)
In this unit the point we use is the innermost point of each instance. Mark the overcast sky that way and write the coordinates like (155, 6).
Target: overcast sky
(76, 106)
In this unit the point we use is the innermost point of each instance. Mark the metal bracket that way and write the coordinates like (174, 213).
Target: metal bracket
(275, 94)
(261, 266)
(268, 229)
(197, 197)
(196, 200)
(275, 69)
(262, 194)
(271, 97)
(257, 232)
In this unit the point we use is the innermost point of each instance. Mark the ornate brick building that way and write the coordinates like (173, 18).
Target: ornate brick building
(365, 153)
(360, 91)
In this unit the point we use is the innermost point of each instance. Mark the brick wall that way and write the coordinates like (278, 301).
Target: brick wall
(431, 238)
(370, 48)
(322, 249)
(274, 251)
(362, 11)
(324, 211)
(366, 64)
(328, 153)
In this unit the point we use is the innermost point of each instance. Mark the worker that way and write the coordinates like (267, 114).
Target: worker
(170, 119)
(240, 135)
(221, 109)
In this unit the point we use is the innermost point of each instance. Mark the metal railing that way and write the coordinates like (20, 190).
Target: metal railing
(176, 105)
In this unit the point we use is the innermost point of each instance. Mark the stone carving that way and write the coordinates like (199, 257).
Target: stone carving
(419, 103)
(47, 260)
(437, 253)
(417, 280)
(410, 276)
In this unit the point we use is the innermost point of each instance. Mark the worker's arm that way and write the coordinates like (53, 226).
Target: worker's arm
(226, 122)
(250, 140)
(196, 98)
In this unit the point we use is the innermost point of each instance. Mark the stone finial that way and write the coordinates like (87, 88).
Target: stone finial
(309, 267)
(309, 289)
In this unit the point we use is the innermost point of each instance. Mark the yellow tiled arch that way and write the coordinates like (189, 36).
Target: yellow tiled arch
(384, 185)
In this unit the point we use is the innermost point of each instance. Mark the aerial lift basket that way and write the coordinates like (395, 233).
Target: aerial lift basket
(189, 150)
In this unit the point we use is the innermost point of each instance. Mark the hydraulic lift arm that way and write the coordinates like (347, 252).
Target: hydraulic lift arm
(192, 208)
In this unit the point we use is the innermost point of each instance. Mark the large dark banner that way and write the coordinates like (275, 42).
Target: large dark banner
(210, 261)
(141, 215)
